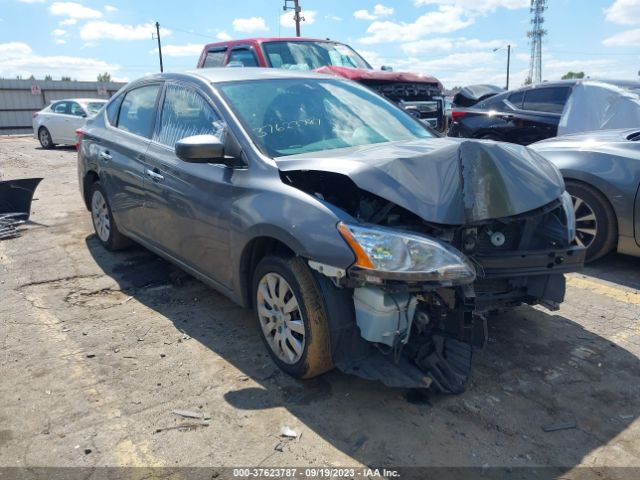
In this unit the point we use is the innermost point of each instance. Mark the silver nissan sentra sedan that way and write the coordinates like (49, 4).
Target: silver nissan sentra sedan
(361, 239)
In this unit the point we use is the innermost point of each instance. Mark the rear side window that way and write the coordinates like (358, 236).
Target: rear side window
(60, 107)
(185, 113)
(137, 113)
(549, 100)
(112, 110)
(215, 58)
(244, 56)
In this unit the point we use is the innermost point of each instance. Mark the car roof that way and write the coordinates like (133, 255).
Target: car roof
(80, 100)
(252, 40)
(235, 74)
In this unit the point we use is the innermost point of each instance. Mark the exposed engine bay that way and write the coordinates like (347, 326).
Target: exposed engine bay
(423, 332)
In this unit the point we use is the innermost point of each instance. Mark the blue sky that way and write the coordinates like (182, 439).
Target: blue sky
(450, 39)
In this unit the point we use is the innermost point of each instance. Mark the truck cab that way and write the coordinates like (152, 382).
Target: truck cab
(420, 95)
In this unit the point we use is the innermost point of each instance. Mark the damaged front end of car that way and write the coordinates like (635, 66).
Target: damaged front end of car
(454, 231)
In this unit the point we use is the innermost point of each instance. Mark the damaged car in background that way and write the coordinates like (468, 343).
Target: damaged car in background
(361, 241)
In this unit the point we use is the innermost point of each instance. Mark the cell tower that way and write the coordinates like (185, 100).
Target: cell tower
(535, 34)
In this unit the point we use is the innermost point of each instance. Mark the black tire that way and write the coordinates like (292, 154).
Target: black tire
(605, 223)
(45, 138)
(316, 355)
(113, 240)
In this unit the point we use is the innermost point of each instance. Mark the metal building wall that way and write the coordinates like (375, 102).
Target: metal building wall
(17, 102)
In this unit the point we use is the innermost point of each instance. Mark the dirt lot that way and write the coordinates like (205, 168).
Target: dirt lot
(99, 348)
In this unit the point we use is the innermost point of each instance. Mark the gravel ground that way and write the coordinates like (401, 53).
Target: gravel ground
(99, 348)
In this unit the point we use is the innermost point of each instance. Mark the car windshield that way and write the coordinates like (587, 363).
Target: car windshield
(293, 116)
(93, 107)
(293, 55)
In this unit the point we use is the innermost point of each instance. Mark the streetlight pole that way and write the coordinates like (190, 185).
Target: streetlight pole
(297, 17)
(159, 46)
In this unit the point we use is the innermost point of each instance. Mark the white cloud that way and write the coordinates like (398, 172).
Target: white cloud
(32, 1)
(17, 58)
(445, 19)
(624, 12)
(364, 15)
(223, 36)
(118, 31)
(287, 21)
(58, 32)
(250, 25)
(335, 18)
(68, 21)
(479, 6)
(60, 41)
(188, 50)
(628, 38)
(379, 11)
(425, 47)
(110, 8)
(73, 10)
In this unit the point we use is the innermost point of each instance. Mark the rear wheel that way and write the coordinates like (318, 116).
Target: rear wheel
(292, 318)
(596, 225)
(103, 222)
(45, 138)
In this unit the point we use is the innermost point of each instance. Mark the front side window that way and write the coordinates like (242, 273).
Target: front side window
(215, 58)
(185, 113)
(244, 56)
(292, 116)
(549, 100)
(293, 55)
(60, 107)
(137, 112)
(76, 109)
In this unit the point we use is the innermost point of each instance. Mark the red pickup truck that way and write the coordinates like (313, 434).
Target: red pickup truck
(420, 95)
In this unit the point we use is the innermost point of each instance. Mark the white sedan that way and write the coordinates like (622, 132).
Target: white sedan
(58, 122)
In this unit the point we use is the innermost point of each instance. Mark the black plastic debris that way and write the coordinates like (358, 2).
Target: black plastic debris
(15, 205)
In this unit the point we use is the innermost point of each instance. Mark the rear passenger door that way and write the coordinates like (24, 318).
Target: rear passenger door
(188, 205)
(541, 111)
(121, 153)
(56, 123)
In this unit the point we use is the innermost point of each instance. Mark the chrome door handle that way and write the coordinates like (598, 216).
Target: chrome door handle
(156, 177)
(105, 156)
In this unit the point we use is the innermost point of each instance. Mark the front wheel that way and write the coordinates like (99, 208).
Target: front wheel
(103, 222)
(292, 318)
(596, 225)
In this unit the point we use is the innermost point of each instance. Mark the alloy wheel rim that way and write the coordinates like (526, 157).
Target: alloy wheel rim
(586, 222)
(44, 137)
(280, 318)
(100, 216)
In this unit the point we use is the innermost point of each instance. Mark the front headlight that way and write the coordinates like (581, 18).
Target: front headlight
(567, 206)
(395, 255)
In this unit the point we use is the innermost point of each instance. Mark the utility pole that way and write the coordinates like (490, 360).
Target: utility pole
(297, 17)
(159, 45)
(508, 63)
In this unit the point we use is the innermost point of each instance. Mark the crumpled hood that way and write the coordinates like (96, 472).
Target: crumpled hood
(361, 74)
(445, 180)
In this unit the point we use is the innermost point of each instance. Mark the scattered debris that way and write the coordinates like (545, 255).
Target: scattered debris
(87, 451)
(90, 355)
(554, 427)
(243, 378)
(15, 205)
(288, 432)
(190, 414)
(184, 426)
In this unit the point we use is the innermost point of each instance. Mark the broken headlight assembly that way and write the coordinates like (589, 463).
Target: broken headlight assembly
(383, 253)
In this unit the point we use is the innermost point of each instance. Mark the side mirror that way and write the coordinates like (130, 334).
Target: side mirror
(201, 149)
(386, 68)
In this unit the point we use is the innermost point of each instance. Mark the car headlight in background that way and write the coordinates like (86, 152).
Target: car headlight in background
(396, 255)
(567, 206)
